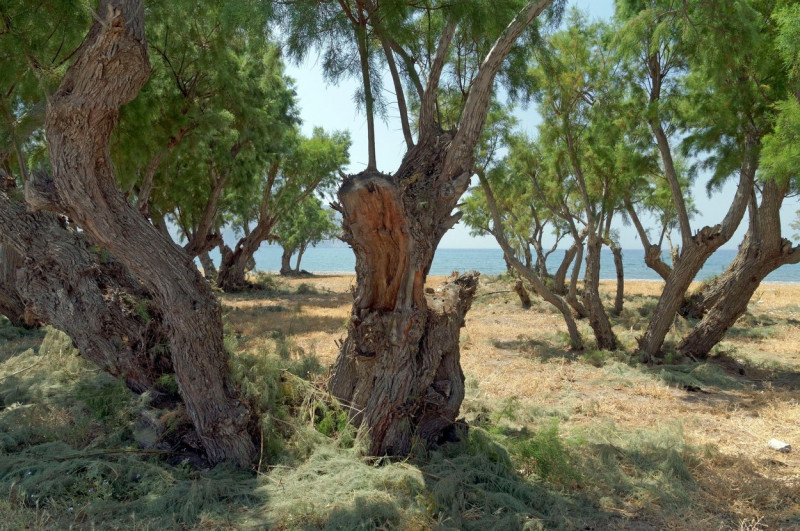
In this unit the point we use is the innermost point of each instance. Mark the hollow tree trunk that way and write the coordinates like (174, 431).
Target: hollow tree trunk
(108, 70)
(93, 299)
(598, 319)
(398, 371)
(619, 298)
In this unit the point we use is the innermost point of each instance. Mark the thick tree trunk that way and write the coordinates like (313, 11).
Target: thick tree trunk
(619, 298)
(398, 370)
(693, 255)
(286, 262)
(235, 264)
(572, 292)
(93, 299)
(762, 251)
(11, 304)
(108, 71)
(598, 319)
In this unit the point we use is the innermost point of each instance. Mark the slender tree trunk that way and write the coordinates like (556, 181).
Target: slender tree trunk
(619, 298)
(561, 304)
(209, 269)
(560, 278)
(572, 294)
(598, 319)
(300, 253)
(109, 69)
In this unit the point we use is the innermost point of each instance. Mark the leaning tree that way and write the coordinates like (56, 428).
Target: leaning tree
(398, 370)
(107, 71)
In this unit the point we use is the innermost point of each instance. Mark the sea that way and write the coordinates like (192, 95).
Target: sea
(341, 260)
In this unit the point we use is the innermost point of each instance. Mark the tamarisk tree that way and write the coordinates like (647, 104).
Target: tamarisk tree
(398, 370)
(107, 71)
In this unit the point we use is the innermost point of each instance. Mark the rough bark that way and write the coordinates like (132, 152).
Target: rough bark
(598, 319)
(619, 297)
(11, 304)
(286, 262)
(108, 70)
(560, 278)
(762, 251)
(398, 371)
(91, 297)
(209, 269)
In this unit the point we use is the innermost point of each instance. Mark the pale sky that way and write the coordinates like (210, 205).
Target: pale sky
(333, 107)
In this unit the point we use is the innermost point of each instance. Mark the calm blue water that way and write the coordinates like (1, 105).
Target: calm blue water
(490, 261)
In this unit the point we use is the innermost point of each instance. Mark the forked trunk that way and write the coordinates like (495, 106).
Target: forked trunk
(108, 70)
(693, 254)
(598, 319)
(762, 251)
(398, 370)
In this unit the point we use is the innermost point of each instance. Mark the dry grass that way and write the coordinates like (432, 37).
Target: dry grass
(511, 354)
(559, 439)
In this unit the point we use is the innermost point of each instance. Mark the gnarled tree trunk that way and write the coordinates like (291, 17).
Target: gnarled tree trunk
(560, 278)
(398, 370)
(209, 269)
(762, 251)
(694, 253)
(92, 298)
(109, 69)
